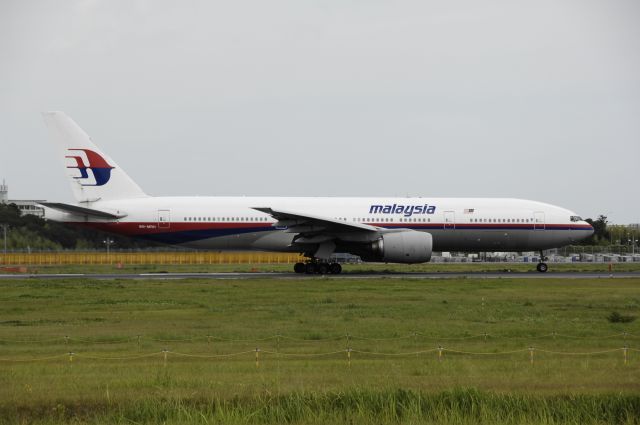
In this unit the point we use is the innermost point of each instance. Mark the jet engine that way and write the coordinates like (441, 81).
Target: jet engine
(403, 247)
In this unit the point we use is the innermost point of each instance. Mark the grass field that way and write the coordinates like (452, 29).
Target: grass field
(118, 330)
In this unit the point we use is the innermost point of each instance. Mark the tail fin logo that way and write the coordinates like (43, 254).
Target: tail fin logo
(99, 167)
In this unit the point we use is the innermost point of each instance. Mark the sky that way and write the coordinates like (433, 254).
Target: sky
(525, 99)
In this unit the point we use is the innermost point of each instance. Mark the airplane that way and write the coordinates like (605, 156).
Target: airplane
(390, 230)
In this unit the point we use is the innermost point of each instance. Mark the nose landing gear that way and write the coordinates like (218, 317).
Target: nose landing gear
(315, 266)
(542, 266)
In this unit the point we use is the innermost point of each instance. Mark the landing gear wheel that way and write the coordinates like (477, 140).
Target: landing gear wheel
(310, 268)
(542, 267)
(299, 268)
(322, 268)
(335, 268)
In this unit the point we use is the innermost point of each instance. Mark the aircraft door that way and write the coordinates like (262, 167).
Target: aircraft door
(538, 220)
(449, 220)
(164, 219)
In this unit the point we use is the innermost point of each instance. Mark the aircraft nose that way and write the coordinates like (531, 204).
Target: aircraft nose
(591, 230)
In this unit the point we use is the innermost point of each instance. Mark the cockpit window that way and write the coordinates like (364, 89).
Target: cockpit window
(576, 218)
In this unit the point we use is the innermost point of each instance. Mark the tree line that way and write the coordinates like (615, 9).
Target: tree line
(29, 232)
(610, 234)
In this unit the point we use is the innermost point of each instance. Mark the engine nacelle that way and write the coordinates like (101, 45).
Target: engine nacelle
(403, 247)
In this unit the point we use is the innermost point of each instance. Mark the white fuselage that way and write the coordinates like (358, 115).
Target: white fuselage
(456, 224)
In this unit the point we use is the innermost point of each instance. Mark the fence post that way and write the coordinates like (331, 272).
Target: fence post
(624, 351)
(349, 357)
(257, 357)
(165, 352)
(440, 350)
(531, 350)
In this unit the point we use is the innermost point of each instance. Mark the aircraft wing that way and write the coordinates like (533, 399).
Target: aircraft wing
(304, 223)
(75, 209)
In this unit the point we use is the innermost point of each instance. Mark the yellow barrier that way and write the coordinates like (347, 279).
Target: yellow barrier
(188, 258)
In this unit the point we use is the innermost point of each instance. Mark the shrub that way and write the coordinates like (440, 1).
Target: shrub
(616, 317)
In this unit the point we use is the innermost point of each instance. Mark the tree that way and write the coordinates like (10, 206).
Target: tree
(601, 235)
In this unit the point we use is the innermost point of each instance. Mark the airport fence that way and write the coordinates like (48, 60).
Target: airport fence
(143, 258)
(347, 347)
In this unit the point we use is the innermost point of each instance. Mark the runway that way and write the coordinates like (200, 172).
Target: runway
(223, 276)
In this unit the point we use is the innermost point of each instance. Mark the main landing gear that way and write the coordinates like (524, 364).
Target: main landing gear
(317, 267)
(542, 266)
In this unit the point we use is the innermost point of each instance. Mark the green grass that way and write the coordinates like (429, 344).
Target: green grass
(296, 380)
(348, 268)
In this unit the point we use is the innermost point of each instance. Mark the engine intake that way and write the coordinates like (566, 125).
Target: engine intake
(403, 247)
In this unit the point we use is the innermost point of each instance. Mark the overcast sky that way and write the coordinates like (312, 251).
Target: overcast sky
(528, 99)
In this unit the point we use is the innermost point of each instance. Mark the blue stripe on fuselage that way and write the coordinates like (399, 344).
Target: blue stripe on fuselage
(184, 236)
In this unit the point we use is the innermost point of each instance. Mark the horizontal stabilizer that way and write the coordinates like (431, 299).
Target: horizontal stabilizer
(75, 209)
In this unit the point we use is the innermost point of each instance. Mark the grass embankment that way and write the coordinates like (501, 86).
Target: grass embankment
(395, 327)
(347, 268)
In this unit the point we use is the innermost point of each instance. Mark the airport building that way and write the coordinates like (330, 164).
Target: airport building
(26, 206)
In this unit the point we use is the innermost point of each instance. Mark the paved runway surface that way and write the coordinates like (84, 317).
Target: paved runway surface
(479, 275)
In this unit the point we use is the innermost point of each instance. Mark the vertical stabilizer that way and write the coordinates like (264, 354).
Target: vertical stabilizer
(93, 175)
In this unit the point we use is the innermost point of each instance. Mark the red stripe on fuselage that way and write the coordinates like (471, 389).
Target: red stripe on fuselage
(149, 228)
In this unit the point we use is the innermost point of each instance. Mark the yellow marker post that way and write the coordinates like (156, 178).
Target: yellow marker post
(531, 350)
(625, 353)
(349, 357)
(165, 352)
(440, 350)
(257, 357)
(71, 354)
